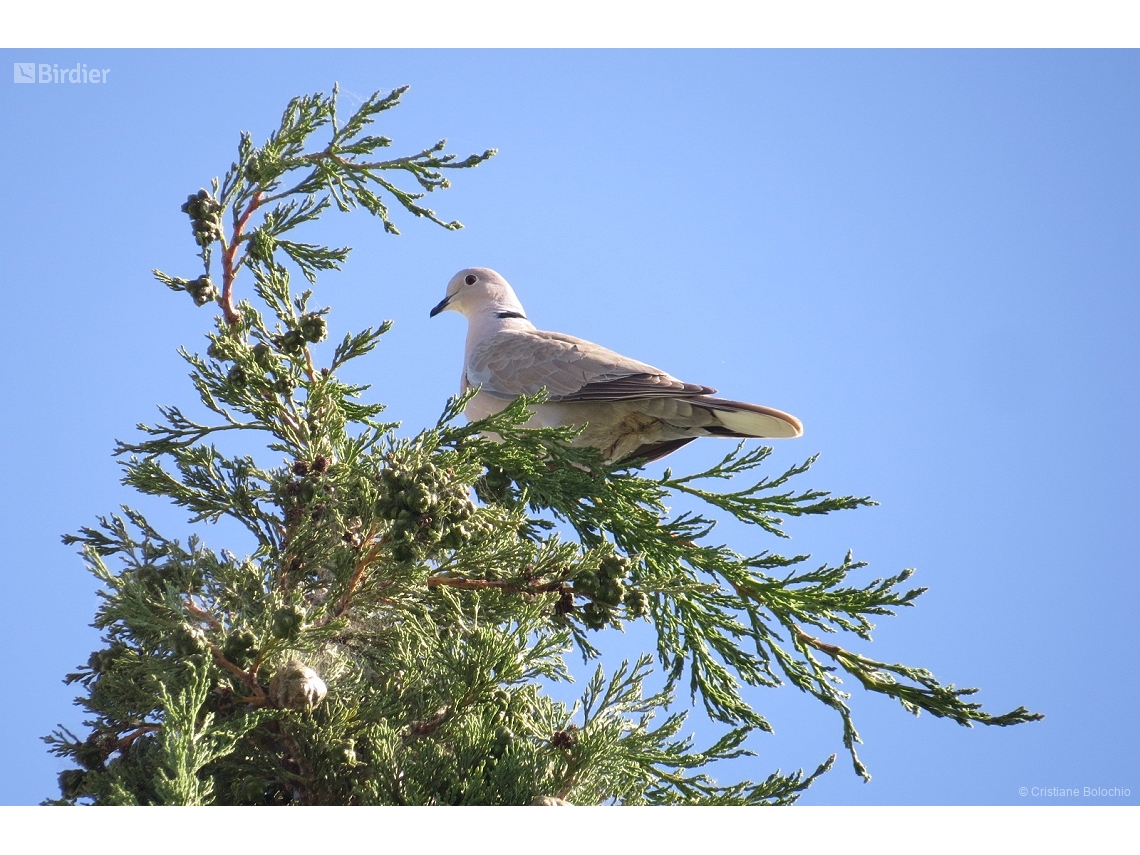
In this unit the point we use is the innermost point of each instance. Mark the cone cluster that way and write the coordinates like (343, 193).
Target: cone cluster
(205, 217)
(606, 589)
(427, 507)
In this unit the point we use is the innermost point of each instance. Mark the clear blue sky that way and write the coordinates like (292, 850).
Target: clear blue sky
(931, 258)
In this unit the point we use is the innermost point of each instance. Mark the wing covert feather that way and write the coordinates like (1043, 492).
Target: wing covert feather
(517, 362)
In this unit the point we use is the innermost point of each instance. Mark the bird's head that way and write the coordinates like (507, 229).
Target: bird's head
(479, 289)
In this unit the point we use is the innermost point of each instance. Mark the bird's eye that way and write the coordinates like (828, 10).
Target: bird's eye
(470, 278)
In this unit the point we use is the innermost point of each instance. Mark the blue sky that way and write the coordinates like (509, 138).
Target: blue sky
(929, 257)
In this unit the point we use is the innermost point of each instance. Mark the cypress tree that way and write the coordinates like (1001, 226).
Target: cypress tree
(389, 639)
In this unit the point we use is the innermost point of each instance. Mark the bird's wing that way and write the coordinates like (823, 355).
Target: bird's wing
(517, 362)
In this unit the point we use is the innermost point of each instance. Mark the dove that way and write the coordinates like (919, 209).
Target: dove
(630, 411)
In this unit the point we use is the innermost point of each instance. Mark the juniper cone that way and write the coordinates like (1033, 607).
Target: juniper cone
(627, 409)
(399, 605)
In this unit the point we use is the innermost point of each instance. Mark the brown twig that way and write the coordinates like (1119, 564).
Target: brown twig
(125, 742)
(256, 666)
(201, 615)
(229, 268)
(362, 564)
(247, 677)
(832, 650)
(428, 726)
(225, 664)
(310, 369)
(572, 769)
(747, 592)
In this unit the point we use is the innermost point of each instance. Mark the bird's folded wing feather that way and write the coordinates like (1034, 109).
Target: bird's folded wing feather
(517, 362)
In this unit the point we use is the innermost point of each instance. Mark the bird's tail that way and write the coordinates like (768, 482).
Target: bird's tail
(735, 418)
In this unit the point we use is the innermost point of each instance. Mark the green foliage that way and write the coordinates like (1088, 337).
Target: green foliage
(389, 638)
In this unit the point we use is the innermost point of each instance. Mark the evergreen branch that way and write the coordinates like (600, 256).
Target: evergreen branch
(697, 625)
(816, 598)
(339, 170)
(358, 345)
(311, 257)
(747, 506)
(190, 740)
(209, 484)
(178, 432)
(930, 695)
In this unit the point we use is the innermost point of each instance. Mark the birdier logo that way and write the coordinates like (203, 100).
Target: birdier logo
(30, 72)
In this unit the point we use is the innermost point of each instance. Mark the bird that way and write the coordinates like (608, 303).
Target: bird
(630, 411)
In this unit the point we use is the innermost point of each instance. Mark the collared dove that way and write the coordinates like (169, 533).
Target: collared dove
(632, 411)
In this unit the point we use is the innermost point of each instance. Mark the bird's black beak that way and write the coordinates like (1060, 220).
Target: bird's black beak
(439, 308)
